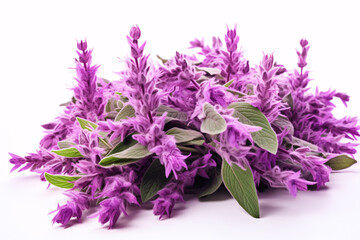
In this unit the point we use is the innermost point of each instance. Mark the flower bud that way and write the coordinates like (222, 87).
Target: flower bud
(304, 42)
(82, 45)
(246, 69)
(135, 32)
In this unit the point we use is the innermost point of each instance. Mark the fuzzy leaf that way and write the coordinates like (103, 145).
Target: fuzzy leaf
(284, 123)
(154, 180)
(127, 156)
(340, 162)
(85, 124)
(126, 112)
(65, 144)
(236, 93)
(289, 100)
(241, 186)
(213, 123)
(128, 142)
(198, 142)
(68, 152)
(266, 137)
(184, 135)
(213, 185)
(171, 113)
(302, 143)
(61, 181)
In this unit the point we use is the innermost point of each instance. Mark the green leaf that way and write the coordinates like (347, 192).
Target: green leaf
(198, 142)
(171, 113)
(68, 152)
(228, 83)
(65, 144)
(213, 123)
(61, 181)
(88, 125)
(162, 59)
(284, 123)
(128, 142)
(154, 180)
(236, 93)
(108, 106)
(85, 124)
(184, 135)
(213, 185)
(241, 186)
(126, 112)
(302, 143)
(289, 100)
(127, 156)
(340, 162)
(113, 106)
(266, 137)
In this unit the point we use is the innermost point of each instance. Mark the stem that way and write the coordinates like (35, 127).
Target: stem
(105, 143)
(150, 117)
(196, 84)
(137, 63)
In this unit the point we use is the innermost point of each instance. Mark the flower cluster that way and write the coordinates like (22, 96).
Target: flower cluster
(189, 126)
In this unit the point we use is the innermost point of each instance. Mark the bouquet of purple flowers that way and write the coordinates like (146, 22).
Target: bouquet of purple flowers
(188, 126)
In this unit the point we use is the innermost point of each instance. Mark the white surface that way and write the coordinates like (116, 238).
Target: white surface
(37, 47)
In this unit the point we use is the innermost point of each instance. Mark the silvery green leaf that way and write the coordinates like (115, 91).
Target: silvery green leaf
(127, 156)
(284, 123)
(289, 100)
(302, 143)
(65, 144)
(247, 114)
(236, 93)
(184, 135)
(126, 112)
(172, 114)
(198, 142)
(85, 124)
(213, 123)
(128, 142)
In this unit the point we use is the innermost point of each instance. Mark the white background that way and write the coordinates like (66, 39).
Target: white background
(37, 48)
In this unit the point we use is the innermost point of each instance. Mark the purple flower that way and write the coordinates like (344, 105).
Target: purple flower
(286, 179)
(168, 196)
(82, 45)
(110, 211)
(183, 84)
(135, 32)
(117, 190)
(73, 208)
(170, 156)
(266, 91)
(33, 161)
(312, 115)
(294, 183)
